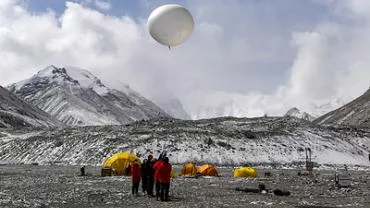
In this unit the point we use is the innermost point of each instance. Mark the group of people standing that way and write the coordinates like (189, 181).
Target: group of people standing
(153, 172)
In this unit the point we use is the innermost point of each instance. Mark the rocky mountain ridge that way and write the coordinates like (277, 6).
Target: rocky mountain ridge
(76, 97)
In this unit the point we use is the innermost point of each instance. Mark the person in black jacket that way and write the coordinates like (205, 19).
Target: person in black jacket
(149, 174)
(144, 177)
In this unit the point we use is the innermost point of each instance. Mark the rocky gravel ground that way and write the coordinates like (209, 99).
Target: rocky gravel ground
(60, 186)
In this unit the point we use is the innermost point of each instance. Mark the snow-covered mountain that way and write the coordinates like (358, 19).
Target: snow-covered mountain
(355, 113)
(16, 113)
(228, 108)
(321, 107)
(210, 104)
(173, 107)
(76, 97)
(222, 141)
(295, 112)
(235, 108)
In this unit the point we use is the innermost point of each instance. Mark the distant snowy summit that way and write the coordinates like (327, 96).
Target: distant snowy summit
(173, 107)
(356, 113)
(295, 112)
(321, 107)
(77, 97)
(15, 113)
(224, 109)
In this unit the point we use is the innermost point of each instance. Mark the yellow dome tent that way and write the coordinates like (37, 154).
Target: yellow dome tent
(120, 161)
(173, 175)
(207, 170)
(189, 169)
(245, 172)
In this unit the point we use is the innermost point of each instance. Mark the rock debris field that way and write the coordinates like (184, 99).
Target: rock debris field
(61, 186)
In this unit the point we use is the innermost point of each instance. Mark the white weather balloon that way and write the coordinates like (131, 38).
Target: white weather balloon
(170, 24)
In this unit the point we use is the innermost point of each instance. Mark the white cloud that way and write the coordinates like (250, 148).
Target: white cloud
(220, 65)
(103, 5)
(354, 8)
(331, 60)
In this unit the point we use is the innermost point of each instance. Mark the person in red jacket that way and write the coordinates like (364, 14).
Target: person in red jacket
(135, 175)
(164, 174)
(156, 176)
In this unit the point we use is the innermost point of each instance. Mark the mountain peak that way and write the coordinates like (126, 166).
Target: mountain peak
(57, 74)
(295, 112)
(294, 109)
(73, 76)
(77, 97)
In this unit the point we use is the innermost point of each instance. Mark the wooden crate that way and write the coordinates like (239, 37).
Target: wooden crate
(106, 172)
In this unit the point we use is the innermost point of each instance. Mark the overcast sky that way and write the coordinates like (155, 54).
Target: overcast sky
(250, 56)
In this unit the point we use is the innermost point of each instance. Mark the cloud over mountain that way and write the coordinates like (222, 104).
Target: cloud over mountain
(278, 57)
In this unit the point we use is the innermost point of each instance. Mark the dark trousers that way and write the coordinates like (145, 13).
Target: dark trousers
(165, 188)
(145, 183)
(150, 185)
(157, 189)
(135, 187)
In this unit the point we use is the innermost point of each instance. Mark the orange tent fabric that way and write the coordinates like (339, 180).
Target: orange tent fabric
(189, 169)
(207, 170)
